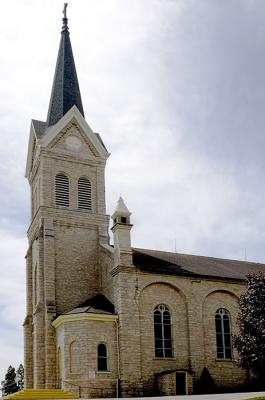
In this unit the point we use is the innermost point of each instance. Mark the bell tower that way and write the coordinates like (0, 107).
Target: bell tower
(65, 169)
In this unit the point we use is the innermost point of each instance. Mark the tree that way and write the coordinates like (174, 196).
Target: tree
(250, 341)
(9, 384)
(20, 377)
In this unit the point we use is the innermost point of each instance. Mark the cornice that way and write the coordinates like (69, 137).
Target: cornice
(97, 161)
(79, 317)
(66, 217)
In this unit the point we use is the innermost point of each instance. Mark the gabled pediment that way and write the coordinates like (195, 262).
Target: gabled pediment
(73, 141)
(71, 135)
(73, 125)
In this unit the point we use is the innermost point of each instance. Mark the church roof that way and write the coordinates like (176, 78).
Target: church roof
(65, 90)
(162, 262)
(98, 304)
(39, 127)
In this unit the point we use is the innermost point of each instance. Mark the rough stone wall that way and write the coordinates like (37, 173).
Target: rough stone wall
(74, 169)
(193, 303)
(129, 334)
(166, 384)
(80, 374)
(28, 342)
(76, 259)
(64, 270)
(151, 296)
(107, 286)
(216, 366)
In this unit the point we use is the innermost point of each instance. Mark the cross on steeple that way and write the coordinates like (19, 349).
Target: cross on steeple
(65, 19)
(64, 10)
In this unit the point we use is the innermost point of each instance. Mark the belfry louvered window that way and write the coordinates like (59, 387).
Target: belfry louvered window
(163, 331)
(84, 194)
(223, 334)
(62, 190)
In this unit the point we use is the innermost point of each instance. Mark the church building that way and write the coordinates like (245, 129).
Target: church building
(108, 320)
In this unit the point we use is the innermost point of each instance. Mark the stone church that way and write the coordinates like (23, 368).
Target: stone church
(112, 320)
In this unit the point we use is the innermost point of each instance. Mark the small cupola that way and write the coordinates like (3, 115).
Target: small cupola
(121, 214)
(121, 230)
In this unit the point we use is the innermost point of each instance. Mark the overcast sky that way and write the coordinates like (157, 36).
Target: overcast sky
(176, 88)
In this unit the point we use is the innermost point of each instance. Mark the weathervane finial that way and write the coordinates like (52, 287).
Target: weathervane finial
(65, 20)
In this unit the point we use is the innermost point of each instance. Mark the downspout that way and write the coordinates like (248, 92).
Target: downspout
(118, 358)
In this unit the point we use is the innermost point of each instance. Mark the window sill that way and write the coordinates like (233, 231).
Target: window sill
(103, 372)
(224, 359)
(164, 358)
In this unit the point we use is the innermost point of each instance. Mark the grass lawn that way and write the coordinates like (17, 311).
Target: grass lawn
(256, 398)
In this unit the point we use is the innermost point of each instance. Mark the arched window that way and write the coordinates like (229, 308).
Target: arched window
(62, 190)
(163, 331)
(223, 334)
(102, 357)
(74, 357)
(84, 194)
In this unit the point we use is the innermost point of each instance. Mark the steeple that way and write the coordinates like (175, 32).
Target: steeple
(65, 90)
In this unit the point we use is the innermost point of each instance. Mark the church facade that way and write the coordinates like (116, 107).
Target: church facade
(102, 320)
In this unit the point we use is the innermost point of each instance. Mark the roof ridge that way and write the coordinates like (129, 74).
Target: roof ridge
(196, 255)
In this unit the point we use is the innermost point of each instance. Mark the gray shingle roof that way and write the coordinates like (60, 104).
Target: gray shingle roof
(162, 262)
(98, 304)
(65, 91)
(40, 127)
(101, 141)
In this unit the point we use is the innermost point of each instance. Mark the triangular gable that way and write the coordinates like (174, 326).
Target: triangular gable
(74, 115)
(44, 136)
(72, 139)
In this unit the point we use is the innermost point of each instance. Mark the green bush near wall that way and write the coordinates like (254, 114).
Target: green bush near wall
(256, 398)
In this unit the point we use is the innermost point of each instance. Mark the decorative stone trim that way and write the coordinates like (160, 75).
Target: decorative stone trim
(77, 317)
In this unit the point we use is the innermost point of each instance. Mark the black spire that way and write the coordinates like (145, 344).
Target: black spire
(65, 89)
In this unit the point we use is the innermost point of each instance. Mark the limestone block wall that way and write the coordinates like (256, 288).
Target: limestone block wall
(216, 366)
(78, 341)
(151, 296)
(129, 333)
(192, 303)
(64, 268)
(166, 383)
(106, 283)
(28, 341)
(54, 162)
(87, 171)
(38, 351)
(76, 259)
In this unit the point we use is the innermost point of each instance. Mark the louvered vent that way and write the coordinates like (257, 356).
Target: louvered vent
(84, 194)
(62, 190)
